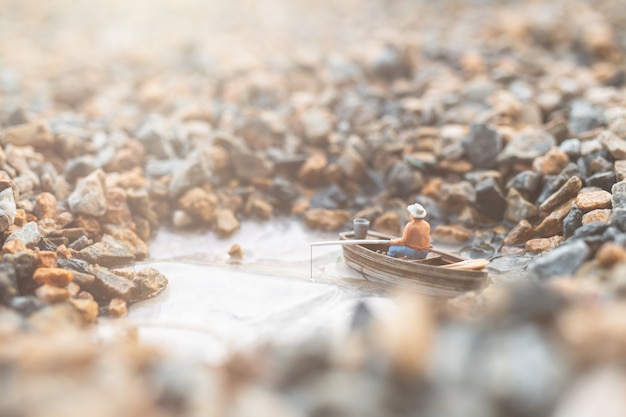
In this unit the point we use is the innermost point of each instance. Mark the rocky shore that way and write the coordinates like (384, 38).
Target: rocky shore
(506, 121)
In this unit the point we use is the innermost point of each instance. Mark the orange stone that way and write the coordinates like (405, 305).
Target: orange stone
(592, 200)
(52, 294)
(235, 251)
(521, 233)
(432, 188)
(117, 308)
(53, 276)
(610, 253)
(451, 234)
(45, 206)
(388, 222)
(47, 259)
(552, 162)
(599, 215)
(14, 246)
(88, 309)
(91, 225)
(544, 244)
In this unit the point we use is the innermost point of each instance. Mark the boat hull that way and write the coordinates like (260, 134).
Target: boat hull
(427, 276)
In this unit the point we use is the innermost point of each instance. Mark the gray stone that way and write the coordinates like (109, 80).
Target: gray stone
(389, 63)
(604, 180)
(8, 282)
(518, 208)
(482, 146)
(526, 146)
(148, 283)
(317, 125)
(24, 264)
(402, 180)
(89, 196)
(107, 285)
(615, 145)
(618, 218)
(564, 260)
(153, 135)
(331, 197)
(583, 116)
(80, 167)
(29, 234)
(571, 147)
(195, 170)
(455, 196)
(7, 209)
(569, 190)
(528, 183)
(81, 243)
(619, 194)
(572, 221)
(26, 305)
(248, 166)
(109, 252)
(489, 199)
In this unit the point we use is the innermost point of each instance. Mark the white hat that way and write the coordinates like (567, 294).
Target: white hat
(417, 211)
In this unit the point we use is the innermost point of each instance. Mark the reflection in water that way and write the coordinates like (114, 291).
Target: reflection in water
(281, 291)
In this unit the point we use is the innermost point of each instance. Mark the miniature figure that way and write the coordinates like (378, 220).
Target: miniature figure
(415, 240)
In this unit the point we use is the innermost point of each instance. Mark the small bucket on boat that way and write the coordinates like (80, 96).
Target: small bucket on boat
(360, 228)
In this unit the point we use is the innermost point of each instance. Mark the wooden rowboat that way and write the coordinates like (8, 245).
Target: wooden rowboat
(428, 276)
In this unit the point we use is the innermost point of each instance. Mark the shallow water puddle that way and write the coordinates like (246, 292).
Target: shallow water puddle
(213, 305)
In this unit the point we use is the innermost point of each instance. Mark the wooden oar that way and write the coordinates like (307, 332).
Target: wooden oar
(351, 242)
(470, 264)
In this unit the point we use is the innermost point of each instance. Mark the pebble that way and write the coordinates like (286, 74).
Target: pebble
(226, 223)
(388, 222)
(451, 234)
(583, 117)
(29, 235)
(36, 134)
(327, 220)
(562, 261)
(543, 244)
(618, 192)
(311, 173)
(235, 251)
(53, 276)
(107, 285)
(126, 236)
(597, 215)
(88, 309)
(571, 147)
(117, 308)
(521, 233)
(7, 209)
(552, 224)
(402, 180)
(527, 182)
(89, 196)
(592, 200)
(569, 190)
(552, 163)
(199, 204)
(455, 196)
(196, 169)
(52, 294)
(489, 198)
(618, 218)
(109, 252)
(482, 146)
(615, 145)
(610, 254)
(147, 284)
(317, 125)
(45, 206)
(526, 146)
(518, 208)
(249, 167)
